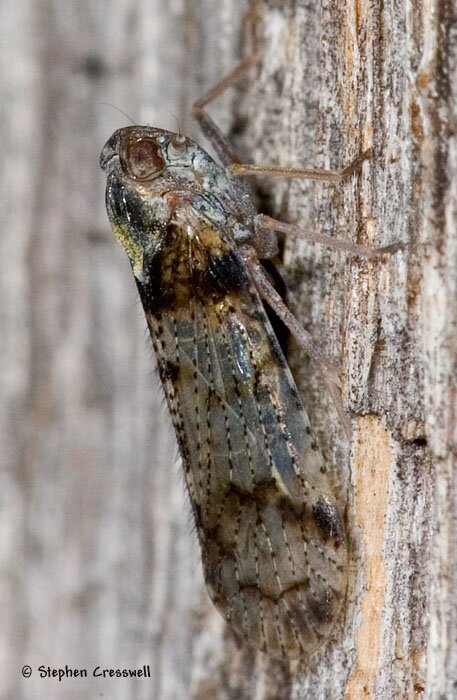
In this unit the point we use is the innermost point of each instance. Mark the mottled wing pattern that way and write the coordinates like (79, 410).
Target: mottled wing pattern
(272, 540)
(271, 536)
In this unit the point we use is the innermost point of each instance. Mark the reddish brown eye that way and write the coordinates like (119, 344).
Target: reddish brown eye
(142, 159)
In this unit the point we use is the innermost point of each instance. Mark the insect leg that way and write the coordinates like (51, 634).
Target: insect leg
(328, 372)
(266, 225)
(336, 176)
(212, 132)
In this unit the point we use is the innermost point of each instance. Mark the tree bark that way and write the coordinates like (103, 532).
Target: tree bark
(99, 560)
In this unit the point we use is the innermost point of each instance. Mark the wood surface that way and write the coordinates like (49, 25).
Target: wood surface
(98, 555)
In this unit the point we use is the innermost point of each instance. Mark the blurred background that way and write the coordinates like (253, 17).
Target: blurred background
(99, 561)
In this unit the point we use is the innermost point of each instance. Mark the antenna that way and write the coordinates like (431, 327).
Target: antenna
(180, 140)
(180, 134)
(108, 104)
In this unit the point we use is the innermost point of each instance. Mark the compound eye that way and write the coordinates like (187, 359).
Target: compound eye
(142, 160)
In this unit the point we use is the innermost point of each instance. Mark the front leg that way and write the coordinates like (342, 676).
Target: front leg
(209, 128)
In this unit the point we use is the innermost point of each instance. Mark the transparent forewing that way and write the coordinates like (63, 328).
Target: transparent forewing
(271, 537)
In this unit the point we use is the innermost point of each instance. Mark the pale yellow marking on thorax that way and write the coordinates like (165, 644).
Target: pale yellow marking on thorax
(133, 249)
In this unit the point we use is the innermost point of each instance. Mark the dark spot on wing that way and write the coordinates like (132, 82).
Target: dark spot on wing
(328, 520)
(226, 273)
(169, 370)
(320, 611)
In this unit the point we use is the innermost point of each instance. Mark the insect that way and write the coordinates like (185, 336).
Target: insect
(270, 530)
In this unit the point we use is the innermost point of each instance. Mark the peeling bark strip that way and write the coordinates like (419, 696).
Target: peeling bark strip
(373, 462)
